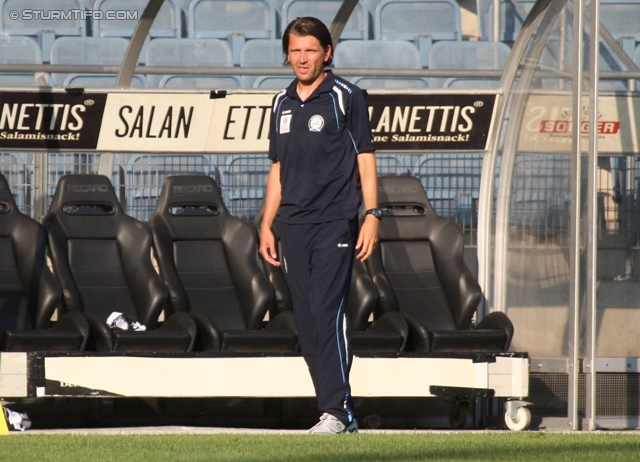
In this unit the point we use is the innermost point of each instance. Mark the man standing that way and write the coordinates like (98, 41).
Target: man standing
(323, 167)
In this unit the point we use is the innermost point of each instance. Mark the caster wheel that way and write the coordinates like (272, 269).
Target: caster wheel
(372, 421)
(458, 415)
(522, 421)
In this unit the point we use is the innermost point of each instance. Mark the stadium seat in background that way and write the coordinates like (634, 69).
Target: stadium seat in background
(471, 83)
(371, 6)
(244, 180)
(188, 53)
(395, 83)
(167, 23)
(373, 54)
(232, 20)
(29, 294)
(184, 4)
(512, 17)
(390, 54)
(279, 4)
(102, 260)
(273, 82)
(261, 53)
(107, 51)
(387, 333)
(20, 50)
(421, 22)
(43, 30)
(467, 55)
(208, 259)
(104, 80)
(216, 82)
(357, 26)
(419, 270)
(482, 13)
(184, 7)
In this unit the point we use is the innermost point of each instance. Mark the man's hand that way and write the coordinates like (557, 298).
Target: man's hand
(268, 246)
(271, 203)
(368, 237)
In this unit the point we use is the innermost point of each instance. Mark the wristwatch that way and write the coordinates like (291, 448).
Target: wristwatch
(375, 212)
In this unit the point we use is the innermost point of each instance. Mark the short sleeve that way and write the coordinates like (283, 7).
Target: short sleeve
(358, 123)
(273, 139)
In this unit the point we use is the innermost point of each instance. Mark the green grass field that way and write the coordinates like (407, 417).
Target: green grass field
(530, 446)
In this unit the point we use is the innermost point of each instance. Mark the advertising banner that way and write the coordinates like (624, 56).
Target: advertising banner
(147, 121)
(438, 122)
(240, 123)
(50, 121)
(548, 123)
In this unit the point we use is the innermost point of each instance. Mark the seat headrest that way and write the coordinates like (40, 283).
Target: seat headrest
(190, 189)
(85, 189)
(8, 209)
(192, 207)
(407, 213)
(87, 206)
(401, 190)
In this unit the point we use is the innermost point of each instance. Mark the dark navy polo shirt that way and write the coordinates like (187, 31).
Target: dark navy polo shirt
(316, 143)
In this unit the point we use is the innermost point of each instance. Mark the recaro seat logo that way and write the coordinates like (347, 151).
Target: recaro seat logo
(87, 188)
(398, 189)
(192, 189)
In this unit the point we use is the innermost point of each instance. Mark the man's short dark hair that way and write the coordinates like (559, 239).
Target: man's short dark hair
(304, 27)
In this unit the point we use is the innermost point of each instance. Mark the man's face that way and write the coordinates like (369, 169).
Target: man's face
(307, 57)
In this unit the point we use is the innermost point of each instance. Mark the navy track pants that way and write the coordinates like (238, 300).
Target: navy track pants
(317, 260)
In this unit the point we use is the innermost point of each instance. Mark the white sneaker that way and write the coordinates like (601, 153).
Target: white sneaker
(329, 425)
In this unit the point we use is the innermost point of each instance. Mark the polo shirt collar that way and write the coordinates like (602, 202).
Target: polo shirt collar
(325, 87)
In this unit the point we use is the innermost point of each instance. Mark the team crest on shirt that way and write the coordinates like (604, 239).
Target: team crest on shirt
(316, 123)
(285, 123)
